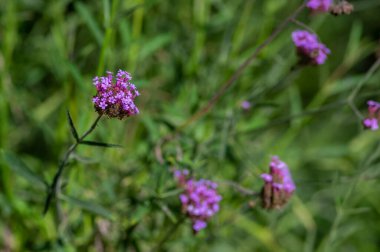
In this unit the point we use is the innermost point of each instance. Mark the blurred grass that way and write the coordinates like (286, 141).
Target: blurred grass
(179, 53)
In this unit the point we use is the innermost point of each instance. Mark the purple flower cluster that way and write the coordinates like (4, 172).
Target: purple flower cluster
(309, 48)
(200, 199)
(279, 185)
(115, 98)
(372, 121)
(319, 5)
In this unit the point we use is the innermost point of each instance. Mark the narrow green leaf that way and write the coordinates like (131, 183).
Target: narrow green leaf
(89, 206)
(139, 213)
(164, 207)
(19, 167)
(106, 145)
(107, 13)
(72, 127)
(153, 45)
(171, 193)
(89, 19)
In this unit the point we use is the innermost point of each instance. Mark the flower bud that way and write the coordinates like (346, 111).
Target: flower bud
(278, 187)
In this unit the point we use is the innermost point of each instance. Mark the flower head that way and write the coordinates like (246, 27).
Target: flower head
(310, 50)
(319, 5)
(372, 121)
(115, 98)
(279, 185)
(200, 199)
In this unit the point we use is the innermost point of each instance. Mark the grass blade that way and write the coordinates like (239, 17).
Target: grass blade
(88, 206)
(18, 166)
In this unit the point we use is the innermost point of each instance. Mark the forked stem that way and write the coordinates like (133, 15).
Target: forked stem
(54, 187)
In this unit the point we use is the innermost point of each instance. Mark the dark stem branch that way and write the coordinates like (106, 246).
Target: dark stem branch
(54, 187)
(242, 190)
(202, 111)
(355, 91)
(303, 25)
(170, 232)
(241, 69)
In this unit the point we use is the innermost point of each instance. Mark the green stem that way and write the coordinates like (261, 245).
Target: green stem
(222, 90)
(169, 233)
(54, 187)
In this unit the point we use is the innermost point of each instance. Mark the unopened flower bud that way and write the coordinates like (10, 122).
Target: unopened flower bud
(278, 187)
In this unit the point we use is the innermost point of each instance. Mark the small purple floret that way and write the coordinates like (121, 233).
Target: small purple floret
(198, 225)
(245, 105)
(266, 177)
(372, 121)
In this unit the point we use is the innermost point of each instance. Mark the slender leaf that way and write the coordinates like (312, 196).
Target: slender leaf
(72, 127)
(165, 208)
(19, 167)
(153, 45)
(139, 213)
(99, 144)
(88, 206)
(89, 19)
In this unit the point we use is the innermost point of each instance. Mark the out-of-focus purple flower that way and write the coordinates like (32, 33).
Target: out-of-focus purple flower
(115, 98)
(310, 50)
(245, 105)
(319, 5)
(279, 185)
(372, 121)
(200, 199)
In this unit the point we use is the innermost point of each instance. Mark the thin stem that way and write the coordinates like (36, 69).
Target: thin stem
(54, 187)
(244, 191)
(169, 233)
(202, 111)
(241, 69)
(93, 126)
(368, 75)
(340, 211)
(303, 25)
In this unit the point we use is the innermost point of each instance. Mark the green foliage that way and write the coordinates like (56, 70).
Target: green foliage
(180, 53)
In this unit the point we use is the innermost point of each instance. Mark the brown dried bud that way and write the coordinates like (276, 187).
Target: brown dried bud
(252, 204)
(342, 8)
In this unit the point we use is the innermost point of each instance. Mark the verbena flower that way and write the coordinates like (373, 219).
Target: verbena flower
(310, 50)
(200, 199)
(115, 96)
(319, 5)
(279, 185)
(372, 121)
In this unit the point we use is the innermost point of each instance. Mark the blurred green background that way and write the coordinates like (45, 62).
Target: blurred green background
(179, 53)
